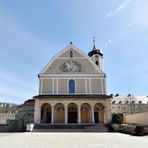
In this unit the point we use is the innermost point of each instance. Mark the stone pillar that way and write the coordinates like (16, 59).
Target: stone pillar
(79, 114)
(92, 114)
(52, 115)
(37, 111)
(66, 114)
(107, 112)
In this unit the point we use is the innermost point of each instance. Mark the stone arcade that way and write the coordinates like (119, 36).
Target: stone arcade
(72, 89)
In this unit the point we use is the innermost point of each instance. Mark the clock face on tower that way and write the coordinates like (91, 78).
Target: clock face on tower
(71, 66)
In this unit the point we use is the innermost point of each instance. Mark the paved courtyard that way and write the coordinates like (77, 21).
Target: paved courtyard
(71, 140)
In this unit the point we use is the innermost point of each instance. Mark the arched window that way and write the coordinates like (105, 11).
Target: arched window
(71, 54)
(71, 86)
(97, 63)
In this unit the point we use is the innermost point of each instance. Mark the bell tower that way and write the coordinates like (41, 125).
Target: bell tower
(96, 55)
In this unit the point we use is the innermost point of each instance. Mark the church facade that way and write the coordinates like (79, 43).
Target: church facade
(72, 89)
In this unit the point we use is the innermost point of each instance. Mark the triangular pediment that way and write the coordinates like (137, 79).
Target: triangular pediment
(71, 60)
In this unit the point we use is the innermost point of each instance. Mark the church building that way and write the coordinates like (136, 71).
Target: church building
(72, 89)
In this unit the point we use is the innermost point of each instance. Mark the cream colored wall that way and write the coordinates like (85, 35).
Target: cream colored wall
(96, 86)
(138, 118)
(86, 67)
(80, 86)
(5, 117)
(50, 86)
(47, 86)
(55, 86)
(62, 86)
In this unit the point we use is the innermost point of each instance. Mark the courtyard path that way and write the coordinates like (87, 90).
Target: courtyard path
(71, 140)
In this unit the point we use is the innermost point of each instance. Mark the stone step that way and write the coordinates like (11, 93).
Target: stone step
(70, 128)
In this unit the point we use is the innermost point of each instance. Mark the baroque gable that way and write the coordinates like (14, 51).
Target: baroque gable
(71, 61)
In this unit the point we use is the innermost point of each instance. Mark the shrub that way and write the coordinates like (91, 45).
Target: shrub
(117, 118)
(124, 130)
(139, 130)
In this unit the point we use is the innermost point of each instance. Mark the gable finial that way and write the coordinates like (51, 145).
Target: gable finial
(70, 43)
(94, 43)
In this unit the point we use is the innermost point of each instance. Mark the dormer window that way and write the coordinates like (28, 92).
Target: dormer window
(113, 102)
(71, 54)
(127, 102)
(120, 102)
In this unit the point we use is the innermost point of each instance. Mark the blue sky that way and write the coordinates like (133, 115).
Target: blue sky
(32, 31)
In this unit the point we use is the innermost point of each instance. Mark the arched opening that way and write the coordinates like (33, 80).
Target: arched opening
(71, 54)
(72, 113)
(71, 86)
(59, 113)
(99, 113)
(46, 113)
(97, 63)
(85, 113)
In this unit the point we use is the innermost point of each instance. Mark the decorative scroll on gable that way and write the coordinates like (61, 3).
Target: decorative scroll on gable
(71, 66)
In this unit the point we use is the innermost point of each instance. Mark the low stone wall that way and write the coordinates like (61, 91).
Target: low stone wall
(5, 117)
(138, 118)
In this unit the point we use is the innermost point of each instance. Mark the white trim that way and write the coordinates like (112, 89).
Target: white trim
(57, 90)
(105, 86)
(102, 88)
(92, 113)
(66, 114)
(67, 58)
(79, 114)
(75, 86)
(41, 86)
(72, 76)
(53, 80)
(72, 94)
(52, 114)
(76, 49)
(90, 91)
(86, 86)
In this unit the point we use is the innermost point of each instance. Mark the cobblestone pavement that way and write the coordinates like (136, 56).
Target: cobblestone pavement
(71, 140)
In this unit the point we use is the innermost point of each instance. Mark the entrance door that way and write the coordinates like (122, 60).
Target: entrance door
(96, 117)
(72, 113)
(85, 113)
(99, 113)
(46, 113)
(72, 117)
(59, 113)
(48, 117)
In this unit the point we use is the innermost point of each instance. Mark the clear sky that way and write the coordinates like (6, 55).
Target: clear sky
(32, 31)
